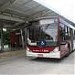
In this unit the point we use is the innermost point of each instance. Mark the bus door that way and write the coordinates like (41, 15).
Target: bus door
(64, 39)
(73, 39)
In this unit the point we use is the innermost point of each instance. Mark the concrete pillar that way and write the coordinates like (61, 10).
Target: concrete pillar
(22, 38)
(2, 43)
(25, 36)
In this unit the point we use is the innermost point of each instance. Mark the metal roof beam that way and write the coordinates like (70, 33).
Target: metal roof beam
(40, 14)
(11, 18)
(6, 5)
(17, 11)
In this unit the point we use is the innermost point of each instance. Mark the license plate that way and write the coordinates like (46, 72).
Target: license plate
(40, 55)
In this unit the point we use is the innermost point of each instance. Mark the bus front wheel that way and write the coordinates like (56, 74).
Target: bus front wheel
(68, 51)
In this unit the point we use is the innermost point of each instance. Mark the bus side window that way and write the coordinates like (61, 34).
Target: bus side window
(64, 32)
(67, 33)
(61, 33)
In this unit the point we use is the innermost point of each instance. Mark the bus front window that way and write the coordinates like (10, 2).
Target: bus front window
(51, 31)
(43, 32)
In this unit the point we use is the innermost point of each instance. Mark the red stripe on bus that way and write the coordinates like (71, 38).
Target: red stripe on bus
(41, 49)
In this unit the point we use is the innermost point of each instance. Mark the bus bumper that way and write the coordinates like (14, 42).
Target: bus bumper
(44, 55)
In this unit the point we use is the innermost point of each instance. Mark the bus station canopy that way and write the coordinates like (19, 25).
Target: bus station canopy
(15, 12)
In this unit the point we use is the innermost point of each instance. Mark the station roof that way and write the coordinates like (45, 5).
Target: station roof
(15, 12)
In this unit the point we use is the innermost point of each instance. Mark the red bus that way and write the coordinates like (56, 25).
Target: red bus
(51, 37)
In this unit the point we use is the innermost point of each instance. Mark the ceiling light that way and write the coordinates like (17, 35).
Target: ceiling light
(4, 29)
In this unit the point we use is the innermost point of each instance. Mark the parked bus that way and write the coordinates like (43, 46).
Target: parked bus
(51, 37)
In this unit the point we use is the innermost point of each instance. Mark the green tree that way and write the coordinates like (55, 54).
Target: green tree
(6, 37)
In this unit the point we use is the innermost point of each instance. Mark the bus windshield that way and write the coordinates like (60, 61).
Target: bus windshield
(46, 32)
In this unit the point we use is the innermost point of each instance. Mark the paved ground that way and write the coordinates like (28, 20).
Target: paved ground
(23, 65)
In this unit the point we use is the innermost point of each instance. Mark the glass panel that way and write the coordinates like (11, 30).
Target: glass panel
(43, 32)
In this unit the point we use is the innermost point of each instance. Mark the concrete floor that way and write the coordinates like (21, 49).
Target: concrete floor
(24, 65)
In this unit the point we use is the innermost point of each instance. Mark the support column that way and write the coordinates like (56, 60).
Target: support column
(22, 38)
(25, 37)
(2, 43)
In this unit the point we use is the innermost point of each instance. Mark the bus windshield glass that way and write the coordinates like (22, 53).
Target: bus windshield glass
(46, 32)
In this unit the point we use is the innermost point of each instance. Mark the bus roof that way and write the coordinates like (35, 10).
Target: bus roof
(66, 21)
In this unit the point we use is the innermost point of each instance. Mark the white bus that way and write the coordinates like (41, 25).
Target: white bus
(51, 37)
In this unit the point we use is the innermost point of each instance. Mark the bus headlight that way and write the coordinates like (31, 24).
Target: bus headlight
(27, 49)
(56, 49)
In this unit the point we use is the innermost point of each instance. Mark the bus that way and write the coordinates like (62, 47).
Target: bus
(50, 37)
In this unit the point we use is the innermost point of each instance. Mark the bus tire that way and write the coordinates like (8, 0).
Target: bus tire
(69, 51)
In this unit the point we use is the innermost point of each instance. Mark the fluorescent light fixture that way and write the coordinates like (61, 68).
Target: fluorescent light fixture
(65, 8)
(4, 29)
